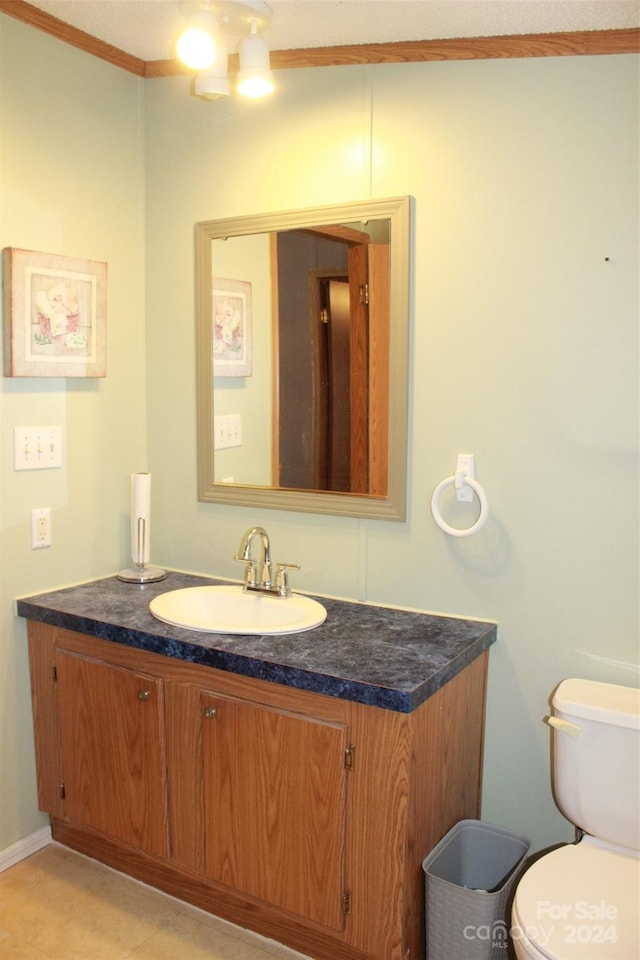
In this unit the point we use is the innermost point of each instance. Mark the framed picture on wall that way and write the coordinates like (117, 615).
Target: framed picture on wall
(231, 328)
(54, 315)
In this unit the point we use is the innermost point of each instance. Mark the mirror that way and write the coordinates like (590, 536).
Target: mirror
(302, 359)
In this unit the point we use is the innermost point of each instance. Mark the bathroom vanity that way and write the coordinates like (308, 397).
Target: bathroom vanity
(291, 784)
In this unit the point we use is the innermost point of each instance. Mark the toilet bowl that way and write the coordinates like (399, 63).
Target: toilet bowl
(581, 901)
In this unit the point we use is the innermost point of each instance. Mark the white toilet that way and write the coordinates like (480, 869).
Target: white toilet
(582, 900)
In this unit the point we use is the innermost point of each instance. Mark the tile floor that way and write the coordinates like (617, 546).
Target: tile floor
(60, 905)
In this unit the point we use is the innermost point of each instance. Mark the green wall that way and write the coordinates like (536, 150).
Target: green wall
(71, 182)
(524, 351)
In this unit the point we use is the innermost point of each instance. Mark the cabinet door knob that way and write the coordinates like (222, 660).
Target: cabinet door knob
(144, 694)
(211, 713)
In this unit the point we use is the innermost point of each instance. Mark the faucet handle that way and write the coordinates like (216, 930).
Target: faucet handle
(282, 577)
(250, 571)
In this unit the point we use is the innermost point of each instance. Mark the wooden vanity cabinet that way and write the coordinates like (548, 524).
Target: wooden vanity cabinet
(274, 806)
(301, 816)
(111, 728)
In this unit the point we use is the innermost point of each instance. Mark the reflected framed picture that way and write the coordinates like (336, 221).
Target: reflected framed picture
(231, 328)
(54, 315)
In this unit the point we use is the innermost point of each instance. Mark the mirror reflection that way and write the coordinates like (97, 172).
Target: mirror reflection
(332, 329)
(302, 334)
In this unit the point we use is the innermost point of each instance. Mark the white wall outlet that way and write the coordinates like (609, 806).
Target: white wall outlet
(37, 448)
(227, 431)
(40, 527)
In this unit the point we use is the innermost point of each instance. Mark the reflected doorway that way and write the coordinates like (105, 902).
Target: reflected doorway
(332, 393)
(323, 361)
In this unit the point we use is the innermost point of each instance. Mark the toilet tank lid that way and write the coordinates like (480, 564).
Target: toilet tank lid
(603, 702)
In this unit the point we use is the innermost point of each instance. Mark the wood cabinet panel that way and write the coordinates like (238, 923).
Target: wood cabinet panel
(274, 801)
(44, 706)
(377, 807)
(112, 748)
(185, 780)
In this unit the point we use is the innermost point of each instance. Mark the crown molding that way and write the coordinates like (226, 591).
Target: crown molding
(569, 44)
(34, 17)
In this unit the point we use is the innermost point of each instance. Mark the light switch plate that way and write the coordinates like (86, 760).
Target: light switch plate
(37, 448)
(227, 431)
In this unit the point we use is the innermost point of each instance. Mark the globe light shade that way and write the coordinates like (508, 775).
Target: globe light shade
(196, 45)
(255, 78)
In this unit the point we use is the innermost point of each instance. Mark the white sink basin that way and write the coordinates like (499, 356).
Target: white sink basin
(228, 609)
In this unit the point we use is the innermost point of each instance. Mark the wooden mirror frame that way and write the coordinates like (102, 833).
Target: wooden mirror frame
(389, 507)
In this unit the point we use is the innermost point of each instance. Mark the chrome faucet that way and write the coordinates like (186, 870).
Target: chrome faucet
(263, 582)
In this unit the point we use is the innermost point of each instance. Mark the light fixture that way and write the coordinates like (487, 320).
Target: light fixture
(220, 24)
(214, 83)
(255, 78)
(196, 44)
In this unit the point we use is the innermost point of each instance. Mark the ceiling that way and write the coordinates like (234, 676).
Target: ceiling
(147, 28)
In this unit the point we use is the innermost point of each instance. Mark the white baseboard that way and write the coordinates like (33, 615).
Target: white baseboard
(24, 848)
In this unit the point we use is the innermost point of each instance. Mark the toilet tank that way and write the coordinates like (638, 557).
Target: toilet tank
(597, 769)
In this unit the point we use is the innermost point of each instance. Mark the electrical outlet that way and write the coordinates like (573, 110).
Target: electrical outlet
(40, 527)
(37, 448)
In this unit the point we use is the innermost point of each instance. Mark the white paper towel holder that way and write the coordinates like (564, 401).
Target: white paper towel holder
(142, 572)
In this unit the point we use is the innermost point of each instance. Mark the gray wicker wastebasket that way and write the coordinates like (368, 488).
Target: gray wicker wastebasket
(469, 878)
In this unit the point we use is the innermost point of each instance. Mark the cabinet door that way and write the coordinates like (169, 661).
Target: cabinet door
(274, 799)
(111, 735)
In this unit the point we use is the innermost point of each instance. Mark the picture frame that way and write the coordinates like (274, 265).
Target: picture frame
(231, 333)
(54, 315)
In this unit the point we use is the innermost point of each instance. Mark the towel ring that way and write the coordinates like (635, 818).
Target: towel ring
(458, 480)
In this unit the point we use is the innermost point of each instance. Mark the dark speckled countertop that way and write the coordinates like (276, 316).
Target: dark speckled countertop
(389, 658)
